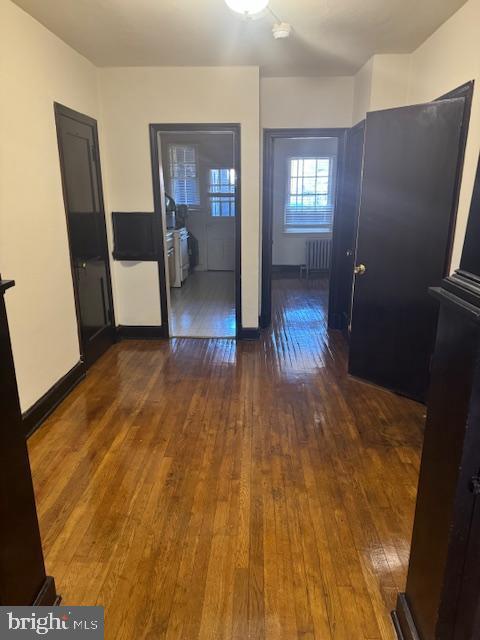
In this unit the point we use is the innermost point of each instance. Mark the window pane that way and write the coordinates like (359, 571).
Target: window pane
(309, 167)
(222, 182)
(184, 175)
(310, 197)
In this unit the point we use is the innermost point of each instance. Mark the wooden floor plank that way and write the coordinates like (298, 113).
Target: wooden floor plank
(204, 489)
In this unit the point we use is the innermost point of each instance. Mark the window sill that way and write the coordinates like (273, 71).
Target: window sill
(307, 232)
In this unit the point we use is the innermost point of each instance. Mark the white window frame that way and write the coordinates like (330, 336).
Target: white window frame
(191, 206)
(232, 196)
(295, 228)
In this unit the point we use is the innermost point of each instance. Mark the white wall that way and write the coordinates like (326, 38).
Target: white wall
(382, 83)
(36, 69)
(132, 98)
(306, 102)
(362, 92)
(390, 78)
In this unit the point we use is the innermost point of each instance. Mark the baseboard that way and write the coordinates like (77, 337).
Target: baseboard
(125, 332)
(47, 596)
(403, 620)
(248, 333)
(39, 412)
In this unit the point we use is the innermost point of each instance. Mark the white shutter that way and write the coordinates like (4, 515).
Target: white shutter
(184, 175)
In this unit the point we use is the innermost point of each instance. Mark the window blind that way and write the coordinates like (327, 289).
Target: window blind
(184, 175)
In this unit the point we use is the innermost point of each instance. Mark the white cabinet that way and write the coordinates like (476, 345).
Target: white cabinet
(182, 262)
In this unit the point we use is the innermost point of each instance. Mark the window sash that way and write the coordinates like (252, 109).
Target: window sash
(221, 191)
(310, 193)
(184, 184)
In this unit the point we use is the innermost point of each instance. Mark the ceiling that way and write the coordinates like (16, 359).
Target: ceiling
(330, 37)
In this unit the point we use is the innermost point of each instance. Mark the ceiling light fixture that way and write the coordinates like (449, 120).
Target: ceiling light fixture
(247, 7)
(281, 30)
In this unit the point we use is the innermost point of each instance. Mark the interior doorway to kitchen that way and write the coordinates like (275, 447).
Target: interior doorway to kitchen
(200, 208)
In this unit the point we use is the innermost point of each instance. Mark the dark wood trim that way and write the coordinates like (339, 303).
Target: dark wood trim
(403, 620)
(47, 596)
(61, 110)
(159, 216)
(39, 412)
(6, 284)
(23, 580)
(269, 137)
(464, 91)
(248, 333)
(159, 206)
(130, 332)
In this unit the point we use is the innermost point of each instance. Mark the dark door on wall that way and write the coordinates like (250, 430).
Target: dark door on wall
(404, 236)
(467, 624)
(82, 190)
(345, 231)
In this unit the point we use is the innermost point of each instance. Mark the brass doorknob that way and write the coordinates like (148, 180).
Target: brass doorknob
(360, 269)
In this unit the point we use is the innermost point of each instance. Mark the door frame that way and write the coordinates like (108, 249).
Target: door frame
(269, 137)
(160, 213)
(463, 91)
(59, 111)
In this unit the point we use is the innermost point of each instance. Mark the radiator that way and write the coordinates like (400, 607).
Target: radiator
(318, 255)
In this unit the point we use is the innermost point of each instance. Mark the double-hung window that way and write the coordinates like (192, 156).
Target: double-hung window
(184, 185)
(310, 200)
(221, 192)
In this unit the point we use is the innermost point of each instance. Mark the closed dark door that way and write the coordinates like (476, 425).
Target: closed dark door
(82, 185)
(407, 202)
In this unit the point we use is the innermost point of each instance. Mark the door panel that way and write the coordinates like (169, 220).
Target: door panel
(87, 235)
(407, 200)
(345, 232)
(221, 244)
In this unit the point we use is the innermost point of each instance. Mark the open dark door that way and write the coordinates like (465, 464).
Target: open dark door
(404, 236)
(345, 232)
(82, 190)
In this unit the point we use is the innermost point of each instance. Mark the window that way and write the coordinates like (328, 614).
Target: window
(310, 195)
(184, 175)
(221, 191)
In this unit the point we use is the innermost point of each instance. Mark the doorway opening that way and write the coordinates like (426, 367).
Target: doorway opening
(302, 179)
(198, 191)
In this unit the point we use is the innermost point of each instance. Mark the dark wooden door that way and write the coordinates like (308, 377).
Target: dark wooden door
(407, 202)
(467, 624)
(82, 187)
(345, 232)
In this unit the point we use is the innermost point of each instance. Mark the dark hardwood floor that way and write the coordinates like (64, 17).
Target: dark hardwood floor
(208, 489)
